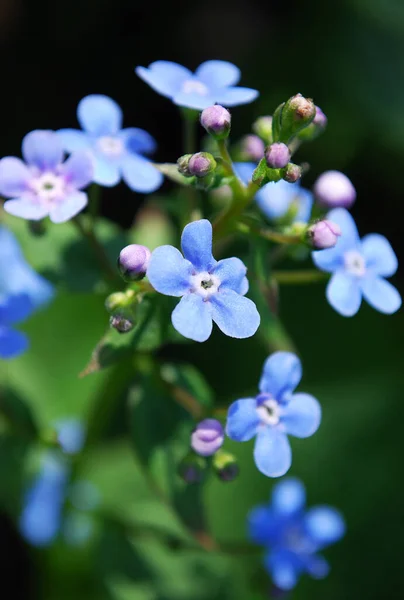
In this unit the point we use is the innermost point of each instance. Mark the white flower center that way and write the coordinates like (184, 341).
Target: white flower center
(110, 146)
(192, 86)
(354, 263)
(49, 187)
(269, 412)
(205, 284)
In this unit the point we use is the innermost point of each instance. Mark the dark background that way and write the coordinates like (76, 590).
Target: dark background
(348, 56)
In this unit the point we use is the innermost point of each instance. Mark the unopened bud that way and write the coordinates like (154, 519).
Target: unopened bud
(183, 163)
(192, 468)
(207, 437)
(292, 173)
(320, 120)
(263, 128)
(120, 323)
(115, 301)
(333, 189)
(277, 155)
(252, 148)
(201, 164)
(315, 128)
(217, 121)
(133, 261)
(323, 234)
(225, 466)
(297, 113)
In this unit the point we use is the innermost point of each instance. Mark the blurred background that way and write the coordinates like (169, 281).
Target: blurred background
(348, 56)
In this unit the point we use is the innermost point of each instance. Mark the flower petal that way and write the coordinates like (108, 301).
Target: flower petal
(99, 115)
(164, 77)
(284, 569)
(196, 244)
(233, 96)
(140, 175)
(242, 420)
(263, 525)
(245, 171)
(138, 140)
(14, 177)
(379, 255)
(74, 139)
(27, 208)
(234, 314)
(301, 416)
(68, 207)
(218, 73)
(324, 524)
(194, 100)
(316, 566)
(192, 319)
(79, 169)
(15, 308)
(281, 374)
(381, 294)
(231, 272)
(333, 258)
(288, 496)
(169, 272)
(43, 149)
(344, 293)
(272, 453)
(12, 343)
(106, 172)
(274, 199)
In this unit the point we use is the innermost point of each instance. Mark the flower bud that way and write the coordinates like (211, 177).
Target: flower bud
(320, 120)
(277, 155)
(323, 234)
(115, 301)
(217, 121)
(292, 173)
(192, 468)
(297, 113)
(120, 323)
(133, 261)
(207, 437)
(333, 189)
(252, 148)
(263, 128)
(225, 466)
(201, 164)
(315, 128)
(183, 163)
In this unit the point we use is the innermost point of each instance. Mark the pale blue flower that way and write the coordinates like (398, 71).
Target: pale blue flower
(214, 82)
(13, 309)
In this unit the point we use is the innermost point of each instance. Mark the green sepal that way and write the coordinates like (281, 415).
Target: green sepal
(170, 170)
(277, 123)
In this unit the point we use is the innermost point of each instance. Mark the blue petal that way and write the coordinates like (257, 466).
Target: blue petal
(12, 343)
(242, 420)
(275, 199)
(305, 205)
(333, 258)
(379, 255)
(218, 73)
(192, 319)
(106, 172)
(288, 496)
(14, 177)
(27, 208)
(43, 149)
(263, 526)
(272, 453)
(164, 77)
(244, 170)
(138, 140)
(344, 293)
(74, 139)
(316, 566)
(79, 169)
(325, 525)
(233, 96)
(14, 309)
(380, 294)
(281, 374)
(196, 243)
(301, 416)
(194, 100)
(71, 435)
(169, 272)
(99, 115)
(140, 175)
(284, 569)
(68, 208)
(234, 314)
(231, 272)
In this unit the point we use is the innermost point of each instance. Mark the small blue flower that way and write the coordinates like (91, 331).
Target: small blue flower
(275, 413)
(213, 82)
(277, 199)
(45, 186)
(117, 153)
(359, 268)
(13, 309)
(294, 536)
(71, 435)
(210, 290)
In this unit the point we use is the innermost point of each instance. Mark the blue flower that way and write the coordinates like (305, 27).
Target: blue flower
(71, 435)
(277, 199)
(13, 309)
(294, 536)
(275, 413)
(210, 290)
(45, 186)
(117, 153)
(359, 268)
(213, 82)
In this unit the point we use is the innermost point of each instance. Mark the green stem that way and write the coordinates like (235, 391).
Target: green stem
(99, 251)
(189, 122)
(94, 203)
(267, 234)
(299, 277)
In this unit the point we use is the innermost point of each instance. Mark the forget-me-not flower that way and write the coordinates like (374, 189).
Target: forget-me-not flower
(359, 268)
(214, 81)
(210, 289)
(274, 413)
(13, 309)
(292, 535)
(118, 153)
(276, 199)
(45, 185)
